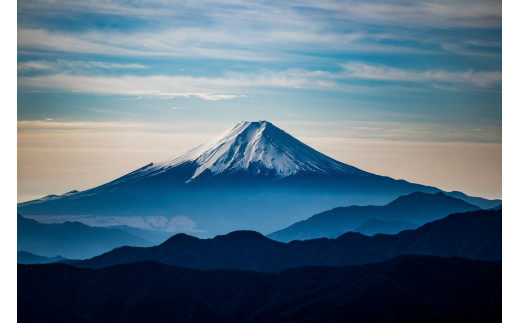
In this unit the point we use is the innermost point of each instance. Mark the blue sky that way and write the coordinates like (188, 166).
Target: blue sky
(176, 72)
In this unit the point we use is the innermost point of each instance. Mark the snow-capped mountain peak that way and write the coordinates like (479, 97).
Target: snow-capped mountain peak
(257, 148)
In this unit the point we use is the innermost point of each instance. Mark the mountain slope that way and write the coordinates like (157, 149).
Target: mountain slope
(375, 226)
(479, 201)
(155, 237)
(403, 289)
(28, 258)
(476, 235)
(243, 179)
(418, 208)
(71, 239)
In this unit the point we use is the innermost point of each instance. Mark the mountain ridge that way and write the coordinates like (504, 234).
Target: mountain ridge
(416, 208)
(28, 258)
(73, 240)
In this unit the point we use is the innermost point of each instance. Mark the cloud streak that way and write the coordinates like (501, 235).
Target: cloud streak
(438, 14)
(219, 88)
(220, 43)
(154, 86)
(40, 65)
(484, 79)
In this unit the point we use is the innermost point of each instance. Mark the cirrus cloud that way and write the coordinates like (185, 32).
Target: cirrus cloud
(232, 85)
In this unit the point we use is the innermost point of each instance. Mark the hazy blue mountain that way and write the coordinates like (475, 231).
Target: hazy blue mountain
(154, 236)
(417, 208)
(28, 258)
(244, 179)
(498, 207)
(480, 202)
(375, 226)
(402, 289)
(72, 240)
(476, 235)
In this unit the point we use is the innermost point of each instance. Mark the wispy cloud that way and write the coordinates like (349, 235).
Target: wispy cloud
(79, 65)
(254, 31)
(398, 131)
(34, 65)
(439, 13)
(50, 124)
(228, 43)
(219, 88)
(102, 65)
(156, 86)
(469, 78)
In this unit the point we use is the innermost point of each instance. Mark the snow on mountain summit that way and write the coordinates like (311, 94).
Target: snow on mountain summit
(258, 148)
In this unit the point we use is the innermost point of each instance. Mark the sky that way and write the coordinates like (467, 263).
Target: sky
(407, 89)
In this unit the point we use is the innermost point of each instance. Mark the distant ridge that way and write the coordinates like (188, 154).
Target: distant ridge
(72, 240)
(375, 226)
(410, 211)
(479, 201)
(28, 258)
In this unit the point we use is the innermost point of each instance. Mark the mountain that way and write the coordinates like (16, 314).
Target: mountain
(72, 240)
(28, 258)
(498, 207)
(480, 202)
(374, 226)
(244, 179)
(402, 289)
(417, 208)
(155, 237)
(476, 235)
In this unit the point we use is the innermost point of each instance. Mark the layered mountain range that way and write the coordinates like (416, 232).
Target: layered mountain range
(475, 235)
(254, 176)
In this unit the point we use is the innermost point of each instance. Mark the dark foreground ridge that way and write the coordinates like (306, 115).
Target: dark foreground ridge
(402, 289)
(475, 235)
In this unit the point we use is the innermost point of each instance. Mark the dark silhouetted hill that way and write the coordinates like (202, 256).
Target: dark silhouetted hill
(402, 289)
